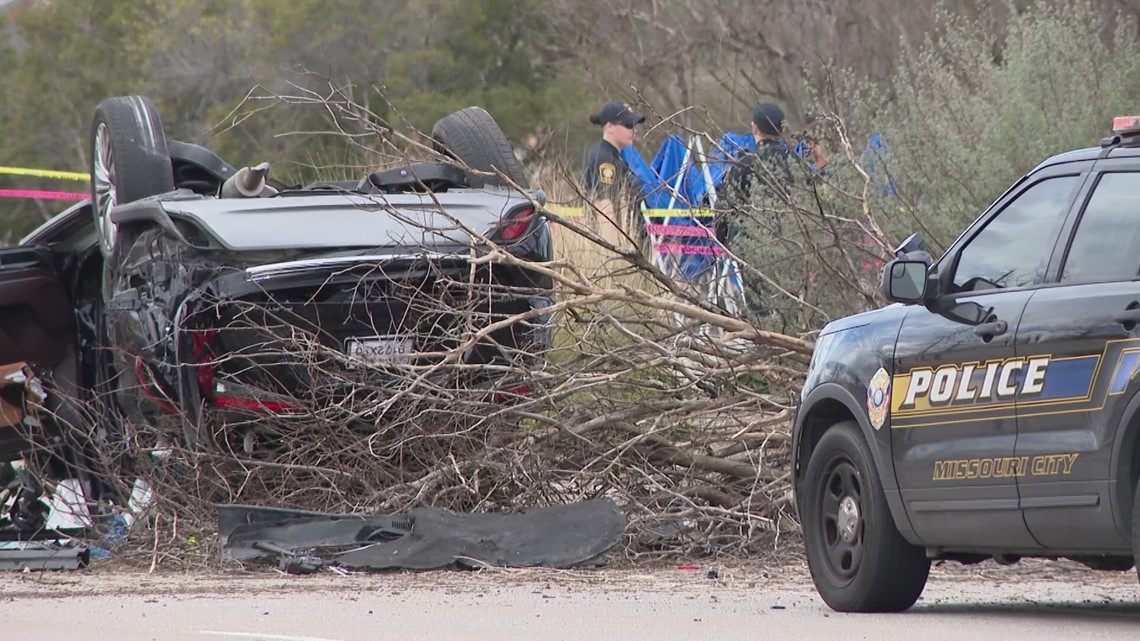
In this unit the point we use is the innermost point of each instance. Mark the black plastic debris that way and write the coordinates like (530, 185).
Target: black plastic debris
(247, 530)
(291, 563)
(17, 556)
(24, 495)
(27, 541)
(426, 538)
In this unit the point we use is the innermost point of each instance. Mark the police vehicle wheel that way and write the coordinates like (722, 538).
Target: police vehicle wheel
(129, 159)
(858, 560)
(1136, 530)
(473, 136)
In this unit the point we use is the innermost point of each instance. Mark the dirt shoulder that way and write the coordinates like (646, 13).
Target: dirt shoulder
(1062, 579)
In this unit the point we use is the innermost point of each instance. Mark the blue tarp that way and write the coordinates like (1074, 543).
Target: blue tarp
(650, 181)
(658, 181)
(659, 178)
(721, 158)
(874, 159)
(659, 185)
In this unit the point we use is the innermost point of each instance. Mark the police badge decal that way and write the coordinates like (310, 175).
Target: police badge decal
(878, 398)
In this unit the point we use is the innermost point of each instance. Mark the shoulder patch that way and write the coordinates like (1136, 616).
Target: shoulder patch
(607, 172)
(878, 398)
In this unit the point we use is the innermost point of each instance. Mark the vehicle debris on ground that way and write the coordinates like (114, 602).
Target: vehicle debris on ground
(426, 538)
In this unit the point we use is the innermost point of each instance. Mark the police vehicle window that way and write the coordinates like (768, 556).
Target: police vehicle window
(1013, 248)
(1107, 243)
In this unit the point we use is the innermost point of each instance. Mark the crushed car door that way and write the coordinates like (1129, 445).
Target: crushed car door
(953, 415)
(37, 327)
(37, 323)
(1083, 332)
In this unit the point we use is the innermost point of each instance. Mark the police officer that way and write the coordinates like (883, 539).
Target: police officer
(605, 174)
(770, 161)
(768, 166)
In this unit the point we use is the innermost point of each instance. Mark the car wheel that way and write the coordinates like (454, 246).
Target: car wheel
(129, 159)
(858, 560)
(1136, 530)
(472, 136)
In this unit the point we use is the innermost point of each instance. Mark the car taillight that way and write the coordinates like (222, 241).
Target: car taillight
(515, 224)
(213, 392)
(201, 341)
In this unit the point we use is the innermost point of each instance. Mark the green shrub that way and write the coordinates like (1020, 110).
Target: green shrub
(963, 126)
(966, 113)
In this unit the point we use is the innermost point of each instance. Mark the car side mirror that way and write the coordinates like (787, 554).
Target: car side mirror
(905, 281)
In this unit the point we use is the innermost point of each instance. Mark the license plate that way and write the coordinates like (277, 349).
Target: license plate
(379, 350)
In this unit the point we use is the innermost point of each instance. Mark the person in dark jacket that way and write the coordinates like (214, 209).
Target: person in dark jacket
(770, 162)
(605, 174)
(768, 166)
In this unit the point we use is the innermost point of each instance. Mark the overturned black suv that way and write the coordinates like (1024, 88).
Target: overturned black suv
(994, 411)
(185, 289)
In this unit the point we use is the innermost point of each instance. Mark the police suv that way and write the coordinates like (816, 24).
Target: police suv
(994, 410)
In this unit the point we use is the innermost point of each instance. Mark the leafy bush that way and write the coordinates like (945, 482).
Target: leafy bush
(964, 116)
(963, 125)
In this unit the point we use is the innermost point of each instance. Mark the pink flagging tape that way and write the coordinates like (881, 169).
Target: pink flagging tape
(681, 248)
(42, 194)
(678, 230)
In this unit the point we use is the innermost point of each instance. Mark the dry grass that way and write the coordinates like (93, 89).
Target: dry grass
(602, 260)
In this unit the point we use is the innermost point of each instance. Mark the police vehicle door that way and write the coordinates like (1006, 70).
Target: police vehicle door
(1084, 329)
(953, 416)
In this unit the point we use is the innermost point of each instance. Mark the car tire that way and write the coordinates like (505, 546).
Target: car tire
(473, 137)
(857, 558)
(129, 159)
(1136, 530)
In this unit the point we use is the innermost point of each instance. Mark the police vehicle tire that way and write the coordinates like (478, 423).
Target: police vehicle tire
(473, 136)
(129, 159)
(868, 566)
(1136, 530)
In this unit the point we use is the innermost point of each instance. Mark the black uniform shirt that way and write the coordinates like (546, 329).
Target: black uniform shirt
(605, 175)
(769, 165)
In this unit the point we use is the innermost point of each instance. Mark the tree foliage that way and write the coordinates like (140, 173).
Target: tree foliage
(409, 63)
(961, 122)
(541, 67)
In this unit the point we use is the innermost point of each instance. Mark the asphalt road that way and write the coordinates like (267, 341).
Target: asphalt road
(660, 605)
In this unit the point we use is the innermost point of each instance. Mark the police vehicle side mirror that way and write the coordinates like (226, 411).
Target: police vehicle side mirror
(905, 281)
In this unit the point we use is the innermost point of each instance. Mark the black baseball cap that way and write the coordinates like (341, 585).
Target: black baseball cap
(619, 112)
(769, 119)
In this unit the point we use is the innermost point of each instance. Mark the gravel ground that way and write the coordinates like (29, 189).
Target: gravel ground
(1034, 600)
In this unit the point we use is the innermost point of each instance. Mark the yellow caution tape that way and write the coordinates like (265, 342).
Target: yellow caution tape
(45, 173)
(574, 212)
(565, 211)
(678, 213)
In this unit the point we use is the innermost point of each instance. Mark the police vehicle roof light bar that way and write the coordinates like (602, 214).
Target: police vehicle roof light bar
(1125, 124)
(1125, 132)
